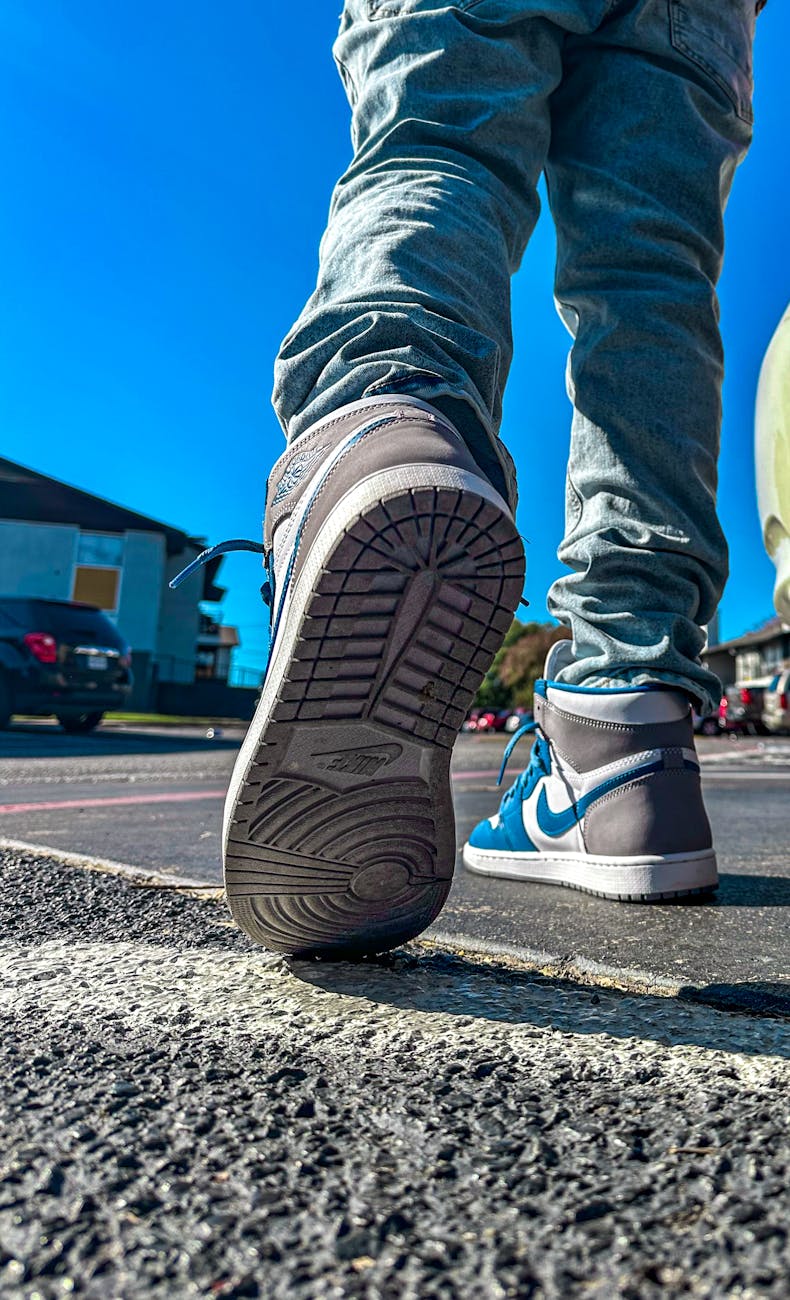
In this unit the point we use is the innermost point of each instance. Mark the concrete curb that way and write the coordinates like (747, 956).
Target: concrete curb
(135, 875)
(756, 1000)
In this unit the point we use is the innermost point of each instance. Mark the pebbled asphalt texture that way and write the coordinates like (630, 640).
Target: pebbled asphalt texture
(186, 1115)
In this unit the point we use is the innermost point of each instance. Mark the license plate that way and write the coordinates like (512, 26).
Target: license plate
(97, 661)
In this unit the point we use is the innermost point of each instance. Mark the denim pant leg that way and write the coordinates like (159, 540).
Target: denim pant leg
(450, 132)
(652, 117)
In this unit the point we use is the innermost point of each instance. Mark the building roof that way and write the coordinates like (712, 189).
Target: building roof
(769, 631)
(27, 495)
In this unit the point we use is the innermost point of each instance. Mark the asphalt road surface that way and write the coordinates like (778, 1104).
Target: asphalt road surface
(153, 800)
(187, 1116)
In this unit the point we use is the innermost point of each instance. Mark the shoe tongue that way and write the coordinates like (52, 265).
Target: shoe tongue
(559, 656)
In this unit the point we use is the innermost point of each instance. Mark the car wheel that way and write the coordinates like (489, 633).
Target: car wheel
(6, 703)
(80, 723)
(710, 727)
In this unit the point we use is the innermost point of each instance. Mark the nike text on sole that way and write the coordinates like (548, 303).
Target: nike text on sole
(339, 827)
(635, 880)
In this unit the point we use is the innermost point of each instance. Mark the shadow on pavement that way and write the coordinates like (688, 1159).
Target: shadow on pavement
(486, 991)
(769, 998)
(736, 889)
(751, 891)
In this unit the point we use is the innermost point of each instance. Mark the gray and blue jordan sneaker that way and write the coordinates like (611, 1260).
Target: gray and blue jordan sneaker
(610, 802)
(393, 570)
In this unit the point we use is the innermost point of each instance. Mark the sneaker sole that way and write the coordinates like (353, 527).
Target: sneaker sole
(340, 834)
(629, 880)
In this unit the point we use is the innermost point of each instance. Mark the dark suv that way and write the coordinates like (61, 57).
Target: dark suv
(57, 656)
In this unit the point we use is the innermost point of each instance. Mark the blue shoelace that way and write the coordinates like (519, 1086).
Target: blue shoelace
(222, 548)
(539, 763)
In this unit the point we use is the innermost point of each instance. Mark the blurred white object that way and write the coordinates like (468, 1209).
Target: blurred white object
(772, 454)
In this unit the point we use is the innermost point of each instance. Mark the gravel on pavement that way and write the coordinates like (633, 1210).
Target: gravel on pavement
(185, 1115)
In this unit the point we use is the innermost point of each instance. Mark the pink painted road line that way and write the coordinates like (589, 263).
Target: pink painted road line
(181, 796)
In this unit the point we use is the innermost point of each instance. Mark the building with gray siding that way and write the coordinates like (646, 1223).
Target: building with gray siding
(753, 656)
(61, 543)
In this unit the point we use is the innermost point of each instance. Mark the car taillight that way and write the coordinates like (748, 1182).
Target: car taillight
(783, 702)
(42, 646)
(723, 705)
(746, 696)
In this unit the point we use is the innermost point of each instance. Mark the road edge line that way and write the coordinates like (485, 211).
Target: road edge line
(556, 966)
(552, 966)
(109, 867)
(595, 975)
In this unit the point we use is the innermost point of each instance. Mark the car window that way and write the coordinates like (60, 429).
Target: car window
(14, 613)
(82, 619)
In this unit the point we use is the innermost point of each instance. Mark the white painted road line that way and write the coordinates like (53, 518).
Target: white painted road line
(739, 774)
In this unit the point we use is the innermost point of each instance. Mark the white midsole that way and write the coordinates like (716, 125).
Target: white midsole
(364, 494)
(637, 875)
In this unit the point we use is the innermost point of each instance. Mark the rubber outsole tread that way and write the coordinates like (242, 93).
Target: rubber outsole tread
(666, 897)
(342, 840)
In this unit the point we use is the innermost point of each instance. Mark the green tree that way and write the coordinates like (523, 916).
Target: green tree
(492, 692)
(510, 680)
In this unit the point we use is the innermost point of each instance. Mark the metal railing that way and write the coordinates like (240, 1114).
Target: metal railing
(242, 675)
(170, 668)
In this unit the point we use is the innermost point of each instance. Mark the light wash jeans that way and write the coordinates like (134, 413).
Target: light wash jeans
(638, 112)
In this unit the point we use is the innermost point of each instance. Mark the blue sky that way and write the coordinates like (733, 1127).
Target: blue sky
(167, 170)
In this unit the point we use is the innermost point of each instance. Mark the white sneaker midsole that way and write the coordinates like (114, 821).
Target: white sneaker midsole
(632, 877)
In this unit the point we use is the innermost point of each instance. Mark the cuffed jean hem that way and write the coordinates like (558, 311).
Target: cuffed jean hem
(704, 692)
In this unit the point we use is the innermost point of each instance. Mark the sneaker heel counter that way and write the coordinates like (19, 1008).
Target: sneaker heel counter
(664, 813)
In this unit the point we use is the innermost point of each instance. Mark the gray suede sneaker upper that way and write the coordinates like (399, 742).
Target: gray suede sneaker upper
(371, 437)
(613, 774)
(629, 760)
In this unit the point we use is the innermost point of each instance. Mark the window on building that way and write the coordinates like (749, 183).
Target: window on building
(102, 549)
(747, 665)
(97, 576)
(97, 587)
